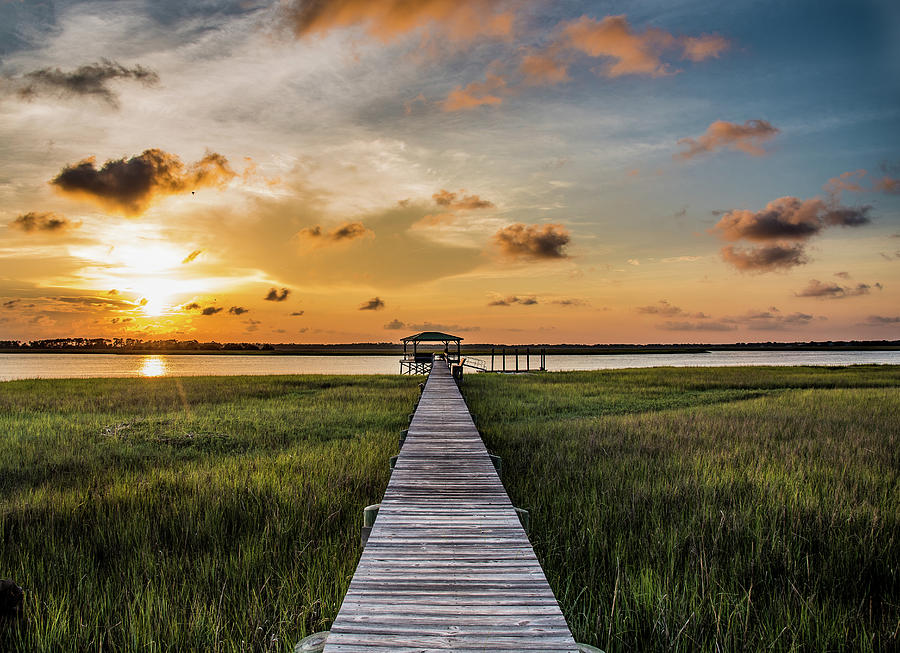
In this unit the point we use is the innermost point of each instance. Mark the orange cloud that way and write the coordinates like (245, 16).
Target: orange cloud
(543, 69)
(388, 20)
(632, 53)
(475, 94)
(453, 200)
(130, 186)
(700, 48)
(722, 134)
(888, 185)
(845, 182)
(533, 241)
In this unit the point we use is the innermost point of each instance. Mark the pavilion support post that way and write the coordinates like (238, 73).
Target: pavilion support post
(517, 359)
(492, 359)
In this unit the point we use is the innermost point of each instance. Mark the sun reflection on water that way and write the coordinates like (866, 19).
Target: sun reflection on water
(152, 366)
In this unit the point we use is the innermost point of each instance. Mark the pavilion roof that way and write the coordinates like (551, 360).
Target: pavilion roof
(431, 336)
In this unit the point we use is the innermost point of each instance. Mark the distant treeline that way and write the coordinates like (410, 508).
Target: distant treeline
(135, 345)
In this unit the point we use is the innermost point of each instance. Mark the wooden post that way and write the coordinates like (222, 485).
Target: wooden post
(517, 359)
(527, 359)
(504, 359)
(492, 359)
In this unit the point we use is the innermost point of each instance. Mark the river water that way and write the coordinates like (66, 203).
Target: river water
(29, 366)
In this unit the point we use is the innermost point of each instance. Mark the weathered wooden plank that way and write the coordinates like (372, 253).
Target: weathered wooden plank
(447, 565)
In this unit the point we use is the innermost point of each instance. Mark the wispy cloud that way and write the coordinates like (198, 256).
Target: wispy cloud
(721, 134)
(43, 222)
(825, 290)
(88, 80)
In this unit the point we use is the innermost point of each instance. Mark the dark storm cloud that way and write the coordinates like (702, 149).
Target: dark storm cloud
(374, 304)
(88, 80)
(545, 242)
(47, 222)
(275, 296)
(129, 186)
(211, 310)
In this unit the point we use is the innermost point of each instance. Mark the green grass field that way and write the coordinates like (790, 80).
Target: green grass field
(672, 509)
(720, 509)
(195, 514)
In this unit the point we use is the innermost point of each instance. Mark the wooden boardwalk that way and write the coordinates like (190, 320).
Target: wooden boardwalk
(447, 565)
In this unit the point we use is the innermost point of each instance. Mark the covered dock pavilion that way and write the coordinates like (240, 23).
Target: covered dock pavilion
(418, 361)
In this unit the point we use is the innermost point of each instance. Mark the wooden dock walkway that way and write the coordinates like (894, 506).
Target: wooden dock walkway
(447, 565)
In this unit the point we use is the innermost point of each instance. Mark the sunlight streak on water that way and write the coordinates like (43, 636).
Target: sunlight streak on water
(152, 366)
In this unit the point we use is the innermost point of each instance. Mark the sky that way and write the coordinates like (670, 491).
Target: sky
(321, 171)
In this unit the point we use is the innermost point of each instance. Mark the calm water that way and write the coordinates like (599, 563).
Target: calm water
(29, 366)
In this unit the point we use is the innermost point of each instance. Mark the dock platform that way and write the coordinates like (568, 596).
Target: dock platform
(447, 565)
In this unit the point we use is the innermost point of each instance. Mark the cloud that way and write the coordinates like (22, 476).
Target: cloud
(632, 52)
(846, 181)
(193, 306)
(816, 288)
(211, 310)
(343, 232)
(772, 320)
(514, 299)
(275, 296)
(475, 94)
(700, 48)
(781, 224)
(765, 258)
(721, 134)
(130, 186)
(662, 308)
(452, 200)
(388, 20)
(88, 80)
(238, 310)
(543, 69)
(190, 257)
(397, 325)
(374, 304)
(569, 301)
(547, 241)
(881, 320)
(671, 325)
(888, 184)
(11, 303)
(47, 222)
(297, 313)
(105, 302)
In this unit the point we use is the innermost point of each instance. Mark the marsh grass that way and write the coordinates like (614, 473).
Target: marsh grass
(193, 514)
(717, 509)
